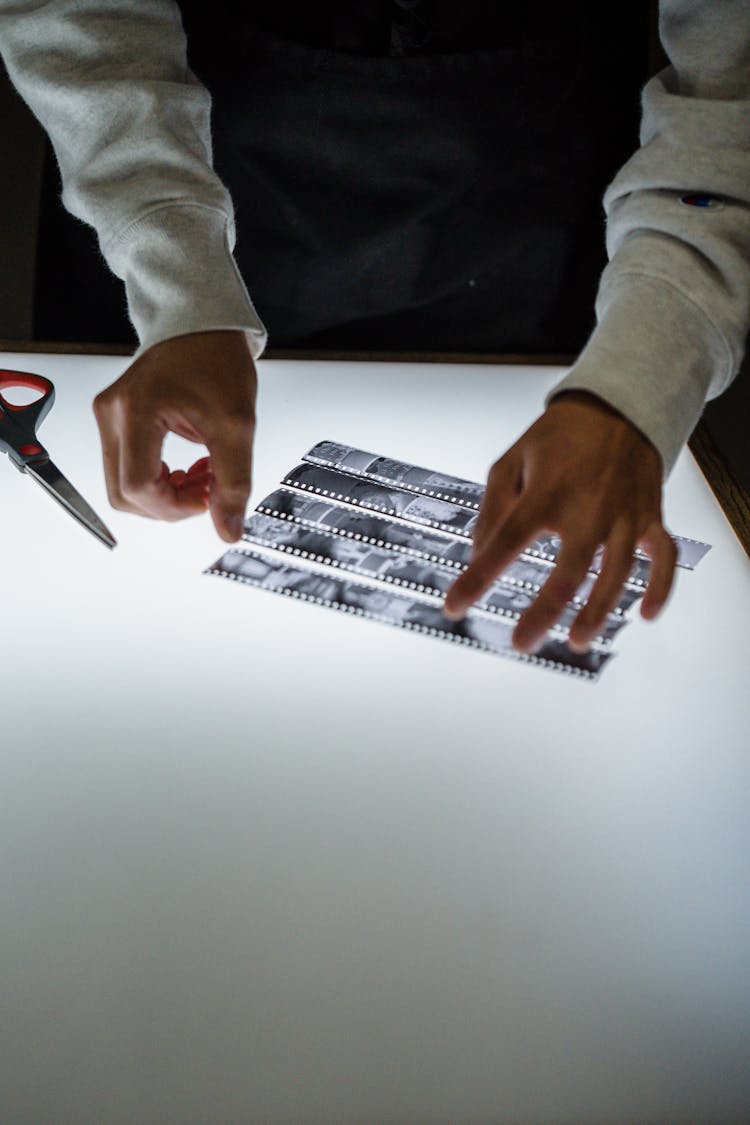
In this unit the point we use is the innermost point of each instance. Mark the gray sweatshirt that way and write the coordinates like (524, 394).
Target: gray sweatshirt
(129, 122)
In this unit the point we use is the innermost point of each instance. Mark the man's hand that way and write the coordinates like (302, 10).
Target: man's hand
(201, 386)
(586, 473)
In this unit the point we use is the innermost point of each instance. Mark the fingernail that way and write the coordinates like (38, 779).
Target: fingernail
(579, 647)
(527, 645)
(235, 526)
(454, 613)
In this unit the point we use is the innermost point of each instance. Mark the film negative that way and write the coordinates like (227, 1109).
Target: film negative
(407, 571)
(383, 539)
(466, 493)
(396, 535)
(477, 630)
(689, 554)
(413, 478)
(389, 500)
(427, 511)
(525, 572)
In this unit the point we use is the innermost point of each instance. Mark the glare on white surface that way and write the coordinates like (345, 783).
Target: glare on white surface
(262, 861)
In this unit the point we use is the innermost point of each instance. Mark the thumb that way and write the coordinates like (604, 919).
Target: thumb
(231, 470)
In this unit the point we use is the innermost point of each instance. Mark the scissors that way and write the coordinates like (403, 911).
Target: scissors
(18, 425)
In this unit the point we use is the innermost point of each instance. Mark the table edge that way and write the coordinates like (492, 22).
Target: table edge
(728, 490)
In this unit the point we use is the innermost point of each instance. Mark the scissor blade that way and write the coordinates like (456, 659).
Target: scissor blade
(50, 478)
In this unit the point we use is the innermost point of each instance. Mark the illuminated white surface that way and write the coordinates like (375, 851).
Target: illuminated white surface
(265, 862)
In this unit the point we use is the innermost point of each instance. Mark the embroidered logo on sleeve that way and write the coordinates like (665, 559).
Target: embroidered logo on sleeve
(702, 199)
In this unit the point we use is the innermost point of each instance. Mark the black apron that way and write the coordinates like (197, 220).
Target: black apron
(445, 201)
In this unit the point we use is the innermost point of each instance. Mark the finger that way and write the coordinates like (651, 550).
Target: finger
(567, 575)
(504, 485)
(193, 498)
(191, 494)
(110, 453)
(616, 566)
(144, 478)
(111, 461)
(194, 476)
(499, 551)
(202, 467)
(661, 548)
(231, 469)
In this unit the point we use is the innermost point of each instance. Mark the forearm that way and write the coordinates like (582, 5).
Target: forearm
(674, 303)
(130, 127)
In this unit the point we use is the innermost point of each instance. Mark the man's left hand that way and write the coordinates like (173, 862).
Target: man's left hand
(586, 473)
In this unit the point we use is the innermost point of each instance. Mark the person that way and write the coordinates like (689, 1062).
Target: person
(129, 122)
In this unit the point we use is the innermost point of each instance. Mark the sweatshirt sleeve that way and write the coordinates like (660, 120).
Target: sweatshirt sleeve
(673, 306)
(130, 126)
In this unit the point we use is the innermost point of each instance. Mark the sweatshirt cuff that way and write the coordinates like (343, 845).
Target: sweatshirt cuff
(652, 357)
(180, 276)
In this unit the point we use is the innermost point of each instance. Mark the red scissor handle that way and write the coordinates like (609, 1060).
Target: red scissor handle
(18, 428)
(10, 379)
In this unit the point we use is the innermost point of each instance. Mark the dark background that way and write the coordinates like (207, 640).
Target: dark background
(40, 241)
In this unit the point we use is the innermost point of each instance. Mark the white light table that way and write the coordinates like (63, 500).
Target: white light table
(262, 862)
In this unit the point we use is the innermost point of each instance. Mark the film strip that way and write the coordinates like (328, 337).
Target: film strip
(468, 494)
(385, 470)
(477, 630)
(405, 570)
(390, 500)
(426, 511)
(383, 539)
(526, 572)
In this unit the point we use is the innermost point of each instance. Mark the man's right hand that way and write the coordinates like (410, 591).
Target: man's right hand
(201, 386)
